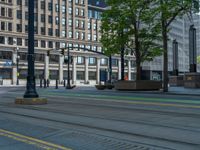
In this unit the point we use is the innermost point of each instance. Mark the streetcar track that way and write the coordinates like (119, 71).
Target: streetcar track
(106, 129)
(156, 112)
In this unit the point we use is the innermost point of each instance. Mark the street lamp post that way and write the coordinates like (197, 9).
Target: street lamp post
(30, 86)
(68, 72)
(17, 61)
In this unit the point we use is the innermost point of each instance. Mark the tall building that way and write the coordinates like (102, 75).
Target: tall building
(58, 24)
(179, 31)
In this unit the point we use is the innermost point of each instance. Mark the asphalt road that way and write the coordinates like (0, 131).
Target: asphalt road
(87, 119)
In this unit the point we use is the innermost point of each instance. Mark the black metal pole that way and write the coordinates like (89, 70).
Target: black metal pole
(110, 69)
(68, 70)
(30, 86)
(17, 68)
(175, 57)
(192, 48)
(122, 63)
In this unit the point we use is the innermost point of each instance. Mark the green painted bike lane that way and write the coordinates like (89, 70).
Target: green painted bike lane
(118, 97)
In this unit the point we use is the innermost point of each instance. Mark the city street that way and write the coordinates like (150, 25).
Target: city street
(87, 119)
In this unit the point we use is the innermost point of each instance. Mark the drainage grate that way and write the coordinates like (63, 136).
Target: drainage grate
(84, 141)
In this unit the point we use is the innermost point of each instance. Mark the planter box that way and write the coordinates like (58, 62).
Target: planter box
(146, 85)
(100, 87)
(109, 86)
(176, 81)
(192, 80)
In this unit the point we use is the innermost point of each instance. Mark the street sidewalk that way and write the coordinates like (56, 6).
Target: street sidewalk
(171, 91)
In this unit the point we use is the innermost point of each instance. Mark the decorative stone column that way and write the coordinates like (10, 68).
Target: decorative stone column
(119, 69)
(129, 69)
(98, 70)
(46, 67)
(74, 70)
(86, 69)
(14, 69)
(61, 61)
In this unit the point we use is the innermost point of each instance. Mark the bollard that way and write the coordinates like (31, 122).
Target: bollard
(64, 83)
(40, 83)
(56, 84)
(45, 83)
(48, 82)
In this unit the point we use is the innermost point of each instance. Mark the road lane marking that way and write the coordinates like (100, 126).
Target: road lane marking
(131, 100)
(32, 141)
(119, 97)
(137, 102)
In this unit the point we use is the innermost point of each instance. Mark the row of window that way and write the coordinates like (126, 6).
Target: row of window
(7, 55)
(6, 1)
(6, 12)
(42, 43)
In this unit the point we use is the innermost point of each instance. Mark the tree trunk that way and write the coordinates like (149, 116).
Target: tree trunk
(165, 57)
(139, 69)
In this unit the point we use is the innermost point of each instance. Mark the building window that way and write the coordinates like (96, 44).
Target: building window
(92, 75)
(57, 20)
(70, 22)
(50, 19)
(42, 18)
(63, 33)
(19, 28)
(82, 12)
(19, 14)
(43, 44)
(70, 10)
(82, 36)
(80, 60)
(42, 30)
(10, 40)
(19, 2)
(80, 75)
(50, 44)
(3, 26)
(70, 34)
(77, 11)
(57, 32)
(50, 31)
(57, 45)
(77, 35)
(92, 61)
(10, 12)
(36, 43)
(104, 62)
(114, 62)
(50, 6)
(2, 40)
(42, 5)
(63, 21)
(19, 41)
(9, 26)
(57, 7)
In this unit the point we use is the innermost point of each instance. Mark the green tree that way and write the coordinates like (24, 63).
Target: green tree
(169, 11)
(131, 24)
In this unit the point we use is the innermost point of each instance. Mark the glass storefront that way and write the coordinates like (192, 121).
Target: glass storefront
(6, 73)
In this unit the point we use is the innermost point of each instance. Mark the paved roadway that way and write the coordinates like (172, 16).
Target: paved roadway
(87, 119)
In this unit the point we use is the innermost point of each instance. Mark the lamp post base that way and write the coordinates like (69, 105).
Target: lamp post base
(31, 101)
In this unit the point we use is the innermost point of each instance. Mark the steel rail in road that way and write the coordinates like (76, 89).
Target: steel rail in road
(32, 141)
(78, 125)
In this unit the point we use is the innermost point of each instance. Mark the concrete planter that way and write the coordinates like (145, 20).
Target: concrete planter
(176, 81)
(192, 80)
(100, 87)
(140, 85)
(109, 86)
